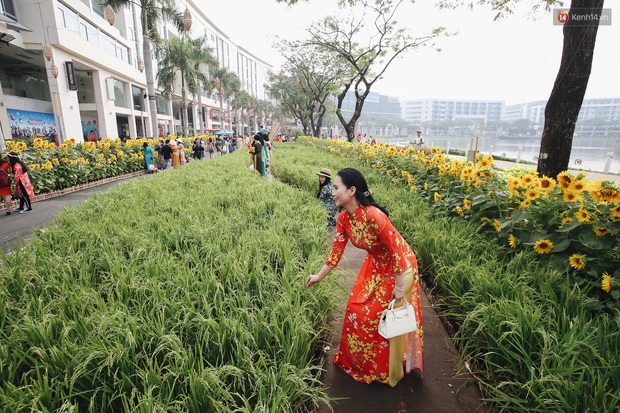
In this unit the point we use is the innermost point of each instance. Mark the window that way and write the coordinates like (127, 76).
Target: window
(120, 97)
(69, 19)
(138, 98)
(8, 8)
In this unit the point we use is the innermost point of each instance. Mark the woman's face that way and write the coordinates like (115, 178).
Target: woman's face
(321, 179)
(343, 196)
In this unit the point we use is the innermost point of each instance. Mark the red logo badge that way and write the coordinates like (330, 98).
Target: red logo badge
(562, 16)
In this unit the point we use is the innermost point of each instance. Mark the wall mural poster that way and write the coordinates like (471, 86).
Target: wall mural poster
(90, 127)
(26, 124)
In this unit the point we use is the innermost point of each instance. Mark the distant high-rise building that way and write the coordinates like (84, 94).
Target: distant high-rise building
(375, 105)
(427, 110)
(607, 109)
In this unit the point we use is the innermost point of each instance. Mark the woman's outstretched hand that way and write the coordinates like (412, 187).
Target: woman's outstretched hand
(312, 279)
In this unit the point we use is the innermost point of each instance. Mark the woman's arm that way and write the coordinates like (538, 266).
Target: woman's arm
(315, 278)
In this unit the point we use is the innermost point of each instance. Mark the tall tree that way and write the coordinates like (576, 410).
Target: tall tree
(153, 12)
(571, 82)
(366, 63)
(183, 56)
(226, 83)
(316, 79)
(569, 89)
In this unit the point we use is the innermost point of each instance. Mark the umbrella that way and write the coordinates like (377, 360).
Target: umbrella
(224, 132)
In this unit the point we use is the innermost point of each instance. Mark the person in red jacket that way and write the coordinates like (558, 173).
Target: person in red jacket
(5, 184)
(23, 186)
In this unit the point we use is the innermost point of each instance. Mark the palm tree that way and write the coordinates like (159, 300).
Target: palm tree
(241, 102)
(184, 56)
(227, 83)
(153, 12)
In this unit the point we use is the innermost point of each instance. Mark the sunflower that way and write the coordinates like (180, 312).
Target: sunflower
(615, 212)
(436, 197)
(532, 194)
(496, 224)
(526, 202)
(459, 211)
(578, 186)
(467, 204)
(425, 186)
(543, 246)
(570, 196)
(566, 220)
(606, 283)
(512, 241)
(577, 262)
(564, 179)
(546, 184)
(529, 180)
(583, 216)
(601, 231)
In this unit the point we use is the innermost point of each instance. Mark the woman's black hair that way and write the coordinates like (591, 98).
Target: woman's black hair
(145, 144)
(14, 158)
(352, 177)
(321, 185)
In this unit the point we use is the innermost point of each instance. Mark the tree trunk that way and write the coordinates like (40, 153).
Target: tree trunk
(150, 84)
(201, 126)
(569, 89)
(184, 117)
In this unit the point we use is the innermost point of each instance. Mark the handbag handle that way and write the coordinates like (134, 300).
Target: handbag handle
(391, 305)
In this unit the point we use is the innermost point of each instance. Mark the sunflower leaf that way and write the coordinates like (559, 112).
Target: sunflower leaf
(594, 242)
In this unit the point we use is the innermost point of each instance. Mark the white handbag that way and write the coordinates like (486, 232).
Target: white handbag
(395, 322)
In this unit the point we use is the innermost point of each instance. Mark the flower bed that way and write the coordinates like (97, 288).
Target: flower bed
(533, 339)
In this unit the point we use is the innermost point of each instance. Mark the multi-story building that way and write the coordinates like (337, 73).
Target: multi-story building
(67, 72)
(430, 110)
(376, 105)
(606, 109)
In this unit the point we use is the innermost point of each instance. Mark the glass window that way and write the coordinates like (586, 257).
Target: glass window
(138, 98)
(120, 98)
(162, 105)
(69, 19)
(108, 44)
(8, 8)
(98, 7)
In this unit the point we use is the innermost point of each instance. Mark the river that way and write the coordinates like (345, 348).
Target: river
(588, 153)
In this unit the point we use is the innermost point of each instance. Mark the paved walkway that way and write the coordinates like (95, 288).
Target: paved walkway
(444, 389)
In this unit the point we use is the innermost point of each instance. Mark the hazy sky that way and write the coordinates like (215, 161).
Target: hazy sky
(515, 59)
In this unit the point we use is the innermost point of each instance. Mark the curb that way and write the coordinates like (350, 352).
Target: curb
(87, 185)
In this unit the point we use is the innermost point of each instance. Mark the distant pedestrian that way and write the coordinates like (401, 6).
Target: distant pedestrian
(166, 152)
(326, 195)
(211, 148)
(5, 184)
(161, 162)
(23, 186)
(197, 149)
(419, 140)
(148, 157)
(257, 151)
(182, 158)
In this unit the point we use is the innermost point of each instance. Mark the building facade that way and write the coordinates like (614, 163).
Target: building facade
(66, 72)
(605, 109)
(375, 106)
(437, 110)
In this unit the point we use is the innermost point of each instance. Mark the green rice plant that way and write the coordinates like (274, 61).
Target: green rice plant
(176, 292)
